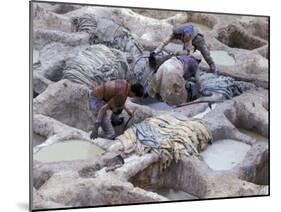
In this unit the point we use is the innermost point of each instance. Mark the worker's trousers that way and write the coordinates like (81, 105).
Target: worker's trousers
(95, 105)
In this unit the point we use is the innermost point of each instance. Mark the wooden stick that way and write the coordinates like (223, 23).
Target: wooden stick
(126, 124)
(199, 102)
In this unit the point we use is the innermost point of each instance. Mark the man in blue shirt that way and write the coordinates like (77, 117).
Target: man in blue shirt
(190, 36)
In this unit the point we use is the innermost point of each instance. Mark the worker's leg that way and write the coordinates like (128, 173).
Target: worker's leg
(200, 44)
(94, 105)
(108, 129)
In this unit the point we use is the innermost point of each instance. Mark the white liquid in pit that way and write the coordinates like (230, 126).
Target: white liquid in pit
(202, 28)
(172, 194)
(221, 57)
(225, 154)
(67, 151)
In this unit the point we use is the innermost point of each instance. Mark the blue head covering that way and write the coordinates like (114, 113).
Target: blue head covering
(184, 29)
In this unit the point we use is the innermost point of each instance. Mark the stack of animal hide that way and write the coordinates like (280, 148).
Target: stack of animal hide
(106, 31)
(226, 86)
(95, 65)
(167, 135)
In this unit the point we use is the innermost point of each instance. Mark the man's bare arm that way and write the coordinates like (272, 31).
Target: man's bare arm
(164, 43)
(188, 45)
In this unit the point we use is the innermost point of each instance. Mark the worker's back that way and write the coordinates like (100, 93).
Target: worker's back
(116, 89)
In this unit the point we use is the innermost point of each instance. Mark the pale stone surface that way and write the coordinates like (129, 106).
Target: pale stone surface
(66, 102)
(61, 109)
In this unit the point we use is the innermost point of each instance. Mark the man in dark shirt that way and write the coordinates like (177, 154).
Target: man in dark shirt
(191, 70)
(170, 79)
(190, 36)
(112, 96)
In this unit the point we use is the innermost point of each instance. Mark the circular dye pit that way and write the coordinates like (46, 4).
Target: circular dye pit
(202, 28)
(67, 151)
(222, 58)
(172, 194)
(225, 154)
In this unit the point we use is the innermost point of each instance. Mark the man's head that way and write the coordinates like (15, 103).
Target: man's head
(183, 32)
(136, 90)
